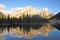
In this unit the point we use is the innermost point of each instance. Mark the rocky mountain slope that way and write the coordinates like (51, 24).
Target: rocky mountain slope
(45, 13)
(32, 11)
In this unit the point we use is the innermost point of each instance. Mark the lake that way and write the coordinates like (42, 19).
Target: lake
(29, 32)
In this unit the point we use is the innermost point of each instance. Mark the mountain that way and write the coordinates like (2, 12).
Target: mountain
(39, 19)
(32, 11)
(45, 13)
(2, 15)
(57, 16)
(55, 21)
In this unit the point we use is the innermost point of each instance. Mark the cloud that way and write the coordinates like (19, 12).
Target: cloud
(15, 9)
(10, 10)
(2, 6)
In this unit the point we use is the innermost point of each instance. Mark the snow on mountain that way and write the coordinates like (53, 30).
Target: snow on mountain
(32, 11)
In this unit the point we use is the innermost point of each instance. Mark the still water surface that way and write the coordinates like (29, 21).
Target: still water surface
(44, 32)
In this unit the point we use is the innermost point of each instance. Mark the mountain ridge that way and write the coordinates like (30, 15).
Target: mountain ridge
(32, 11)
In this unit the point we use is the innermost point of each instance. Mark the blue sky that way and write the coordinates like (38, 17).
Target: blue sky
(52, 5)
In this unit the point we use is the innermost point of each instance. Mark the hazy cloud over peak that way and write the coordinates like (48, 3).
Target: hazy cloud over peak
(2, 6)
(10, 10)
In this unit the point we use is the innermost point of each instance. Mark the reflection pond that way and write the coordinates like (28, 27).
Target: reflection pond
(29, 32)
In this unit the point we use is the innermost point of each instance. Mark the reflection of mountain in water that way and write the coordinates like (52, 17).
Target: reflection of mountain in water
(30, 31)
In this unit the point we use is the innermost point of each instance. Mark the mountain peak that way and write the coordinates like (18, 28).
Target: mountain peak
(44, 9)
(32, 11)
(29, 8)
(45, 13)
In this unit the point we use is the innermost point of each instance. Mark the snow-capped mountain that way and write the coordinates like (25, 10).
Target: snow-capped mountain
(32, 11)
(45, 13)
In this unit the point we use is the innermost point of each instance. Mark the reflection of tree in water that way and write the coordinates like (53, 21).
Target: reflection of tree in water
(31, 31)
(27, 28)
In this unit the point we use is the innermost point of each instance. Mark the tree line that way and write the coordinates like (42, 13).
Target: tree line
(21, 19)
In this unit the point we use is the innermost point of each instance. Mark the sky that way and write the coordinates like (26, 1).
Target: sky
(9, 5)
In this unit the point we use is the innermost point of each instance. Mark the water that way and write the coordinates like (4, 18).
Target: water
(29, 32)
